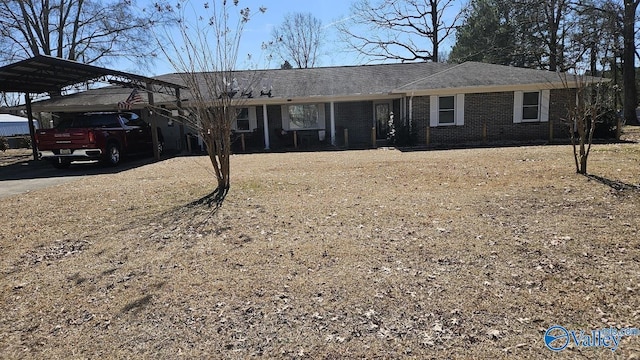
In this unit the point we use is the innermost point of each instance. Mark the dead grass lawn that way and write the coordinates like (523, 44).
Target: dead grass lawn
(376, 254)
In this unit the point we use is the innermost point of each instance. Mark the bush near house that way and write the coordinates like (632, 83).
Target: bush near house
(4, 144)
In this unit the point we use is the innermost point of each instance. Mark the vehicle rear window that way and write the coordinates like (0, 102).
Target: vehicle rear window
(91, 121)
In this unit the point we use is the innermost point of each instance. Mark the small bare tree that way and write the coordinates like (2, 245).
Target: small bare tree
(593, 102)
(298, 38)
(205, 57)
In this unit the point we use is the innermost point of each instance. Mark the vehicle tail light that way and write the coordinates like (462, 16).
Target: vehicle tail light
(92, 137)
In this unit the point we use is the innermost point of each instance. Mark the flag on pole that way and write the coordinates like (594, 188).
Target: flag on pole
(133, 98)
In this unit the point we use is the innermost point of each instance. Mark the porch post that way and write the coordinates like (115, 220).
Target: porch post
(333, 124)
(265, 122)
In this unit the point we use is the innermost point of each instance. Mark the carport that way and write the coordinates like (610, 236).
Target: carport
(46, 74)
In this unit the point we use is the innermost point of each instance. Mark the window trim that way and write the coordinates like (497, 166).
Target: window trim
(543, 107)
(458, 110)
(253, 122)
(286, 120)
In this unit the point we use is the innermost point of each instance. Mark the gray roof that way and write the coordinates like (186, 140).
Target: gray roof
(481, 75)
(334, 81)
(344, 82)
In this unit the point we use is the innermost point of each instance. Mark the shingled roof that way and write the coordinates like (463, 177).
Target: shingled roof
(346, 83)
(336, 81)
(473, 75)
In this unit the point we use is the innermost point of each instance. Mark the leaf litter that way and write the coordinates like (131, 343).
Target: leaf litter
(457, 254)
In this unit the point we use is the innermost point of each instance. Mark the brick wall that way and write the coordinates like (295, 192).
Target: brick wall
(496, 111)
(358, 118)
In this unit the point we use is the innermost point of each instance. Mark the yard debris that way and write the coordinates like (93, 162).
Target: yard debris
(389, 258)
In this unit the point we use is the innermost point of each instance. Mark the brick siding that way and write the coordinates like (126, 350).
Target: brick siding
(358, 118)
(496, 111)
(493, 109)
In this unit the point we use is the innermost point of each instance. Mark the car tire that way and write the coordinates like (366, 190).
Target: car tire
(113, 155)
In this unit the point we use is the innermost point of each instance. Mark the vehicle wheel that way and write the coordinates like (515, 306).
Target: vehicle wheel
(113, 154)
(61, 164)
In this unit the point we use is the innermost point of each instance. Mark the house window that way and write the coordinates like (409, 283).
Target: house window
(530, 106)
(303, 116)
(242, 120)
(446, 110)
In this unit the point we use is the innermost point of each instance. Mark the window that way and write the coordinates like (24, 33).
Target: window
(303, 117)
(242, 120)
(447, 110)
(531, 106)
(245, 119)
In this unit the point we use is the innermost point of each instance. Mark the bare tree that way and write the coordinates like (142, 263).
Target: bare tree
(9, 99)
(88, 31)
(205, 57)
(405, 30)
(594, 101)
(628, 61)
(299, 39)
(552, 23)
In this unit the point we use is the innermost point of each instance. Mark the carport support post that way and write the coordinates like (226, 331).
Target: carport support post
(32, 129)
(179, 106)
(152, 120)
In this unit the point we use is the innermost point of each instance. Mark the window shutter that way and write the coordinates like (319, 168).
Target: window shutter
(459, 109)
(285, 117)
(433, 111)
(544, 105)
(517, 106)
(253, 120)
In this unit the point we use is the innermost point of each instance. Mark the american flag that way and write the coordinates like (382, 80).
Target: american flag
(133, 98)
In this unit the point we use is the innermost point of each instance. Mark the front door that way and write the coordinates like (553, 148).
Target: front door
(382, 111)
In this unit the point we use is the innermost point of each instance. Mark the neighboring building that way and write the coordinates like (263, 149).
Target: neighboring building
(11, 125)
(444, 104)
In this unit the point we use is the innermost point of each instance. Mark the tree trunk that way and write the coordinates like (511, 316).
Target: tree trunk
(628, 62)
(583, 164)
(435, 23)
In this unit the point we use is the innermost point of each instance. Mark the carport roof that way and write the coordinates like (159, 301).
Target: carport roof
(43, 73)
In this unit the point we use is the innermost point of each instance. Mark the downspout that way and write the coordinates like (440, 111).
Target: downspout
(265, 122)
(411, 113)
(333, 124)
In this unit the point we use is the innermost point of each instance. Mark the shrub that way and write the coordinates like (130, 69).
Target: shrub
(25, 142)
(403, 134)
(606, 125)
(4, 144)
